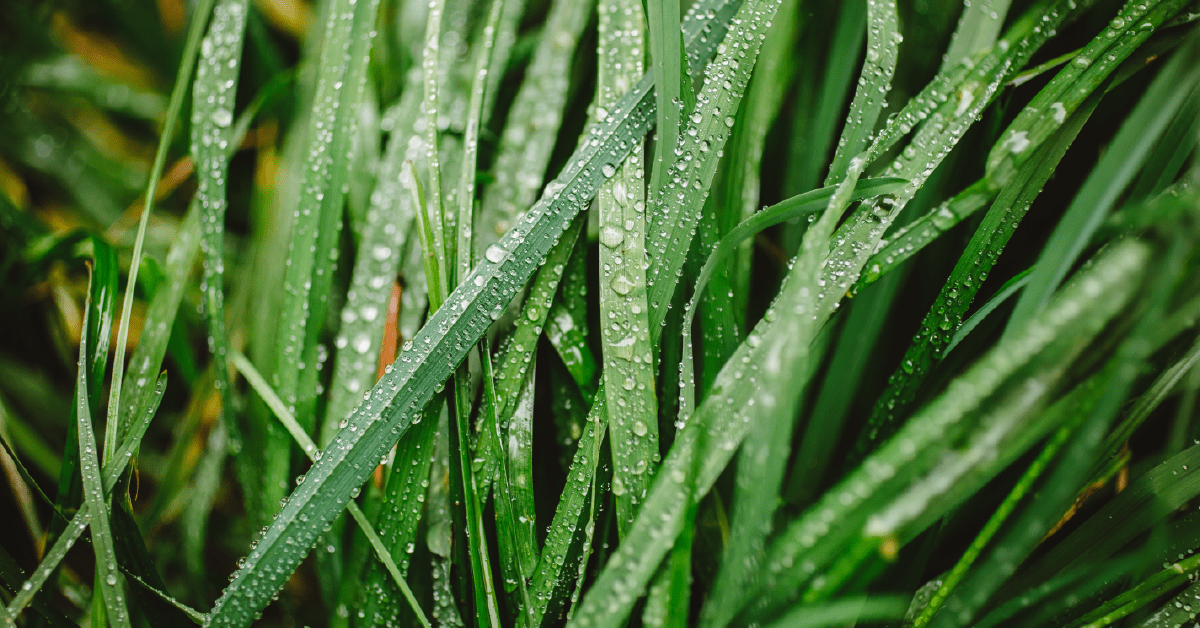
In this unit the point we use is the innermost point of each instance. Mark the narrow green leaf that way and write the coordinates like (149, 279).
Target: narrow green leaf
(214, 94)
(628, 370)
(178, 93)
(107, 578)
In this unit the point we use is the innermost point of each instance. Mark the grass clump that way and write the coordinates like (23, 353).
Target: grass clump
(727, 314)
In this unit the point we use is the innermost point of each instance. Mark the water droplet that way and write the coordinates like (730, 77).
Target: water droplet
(495, 254)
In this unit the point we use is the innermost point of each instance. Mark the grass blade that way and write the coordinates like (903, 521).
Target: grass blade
(628, 370)
(213, 97)
(107, 578)
(178, 93)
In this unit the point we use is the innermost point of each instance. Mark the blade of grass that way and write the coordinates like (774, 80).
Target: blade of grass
(978, 27)
(178, 93)
(883, 45)
(628, 368)
(107, 578)
(768, 442)
(214, 94)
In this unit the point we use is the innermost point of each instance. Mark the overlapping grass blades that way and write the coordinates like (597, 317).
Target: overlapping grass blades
(387, 411)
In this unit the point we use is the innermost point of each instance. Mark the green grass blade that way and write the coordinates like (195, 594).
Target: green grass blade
(674, 211)
(1094, 201)
(883, 45)
(768, 441)
(147, 358)
(628, 370)
(178, 93)
(1023, 486)
(475, 112)
(1153, 588)
(433, 208)
(214, 94)
(516, 360)
(974, 89)
(668, 63)
(110, 582)
(978, 27)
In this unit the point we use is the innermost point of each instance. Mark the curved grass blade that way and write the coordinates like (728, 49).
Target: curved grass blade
(803, 204)
(1116, 169)
(810, 543)
(768, 441)
(442, 344)
(301, 437)
(628, 366)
